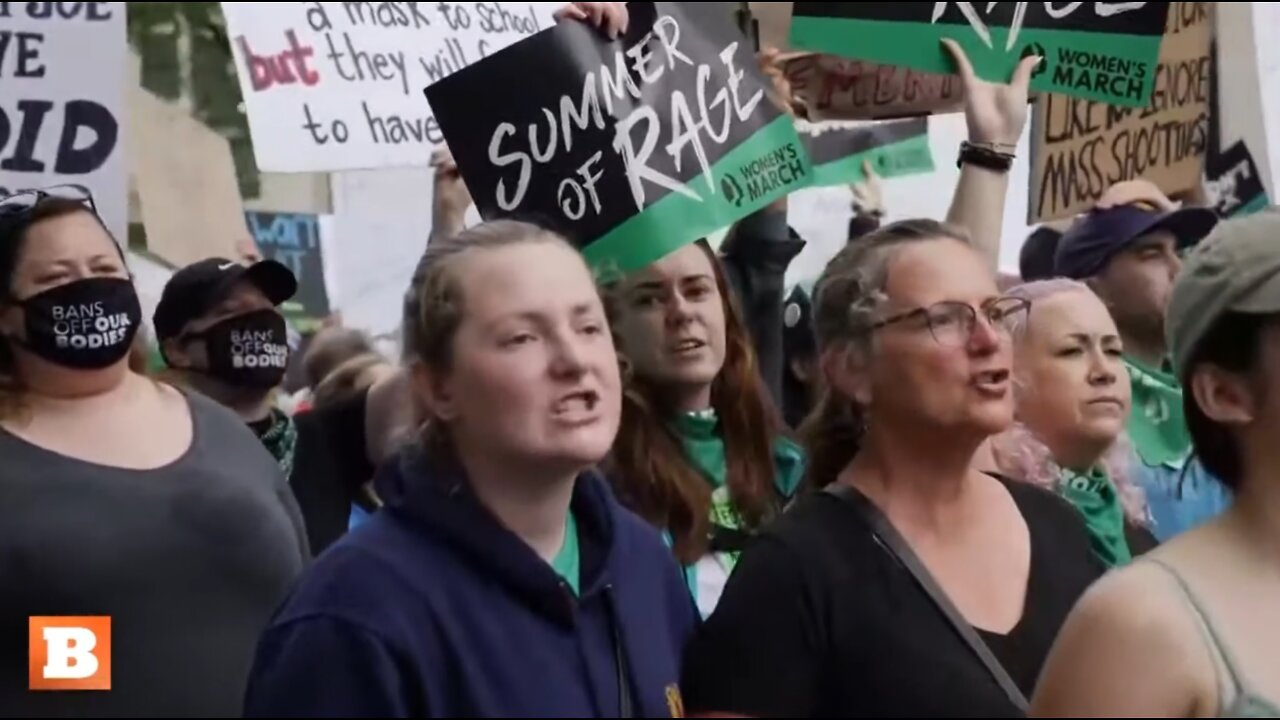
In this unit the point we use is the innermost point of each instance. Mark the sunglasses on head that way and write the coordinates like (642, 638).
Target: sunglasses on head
(20, 202)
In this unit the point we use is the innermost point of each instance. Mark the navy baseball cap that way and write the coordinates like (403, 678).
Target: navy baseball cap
(1097, 237)
(195, 289)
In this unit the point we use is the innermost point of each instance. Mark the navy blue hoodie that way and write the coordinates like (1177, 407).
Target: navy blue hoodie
(433, 609)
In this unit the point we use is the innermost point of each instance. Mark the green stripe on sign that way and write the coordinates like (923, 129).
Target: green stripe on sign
(1258, 204)
(767, 166)
(1106, 67)
(906, 157)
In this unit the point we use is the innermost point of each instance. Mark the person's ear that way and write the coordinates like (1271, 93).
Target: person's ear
(1223, 397)
(847, 371)
(434, 393)
(177, 353)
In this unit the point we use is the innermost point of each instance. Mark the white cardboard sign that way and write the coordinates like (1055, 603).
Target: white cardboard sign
(332, 86)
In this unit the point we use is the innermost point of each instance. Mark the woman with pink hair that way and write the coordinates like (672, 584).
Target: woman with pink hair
(1072, 404)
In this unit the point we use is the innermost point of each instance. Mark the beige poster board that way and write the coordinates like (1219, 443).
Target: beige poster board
(186, 183)
(1080, 148)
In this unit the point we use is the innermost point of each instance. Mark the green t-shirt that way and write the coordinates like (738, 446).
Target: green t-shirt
(1157, 424)
(700, 434)
(567, 563)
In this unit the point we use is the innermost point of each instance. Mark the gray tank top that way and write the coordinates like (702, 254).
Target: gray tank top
(1236, 699)
(189, 560)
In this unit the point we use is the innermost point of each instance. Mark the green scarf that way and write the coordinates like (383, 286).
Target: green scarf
(280, 437)
(1157, 424)
(700, 434)
(1096, 498)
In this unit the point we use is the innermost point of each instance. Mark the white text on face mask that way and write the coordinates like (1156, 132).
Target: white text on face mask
(87, 327)
(255, 349)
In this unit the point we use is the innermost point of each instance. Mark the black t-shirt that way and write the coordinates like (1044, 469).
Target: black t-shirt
(819, 621)
(330, 466)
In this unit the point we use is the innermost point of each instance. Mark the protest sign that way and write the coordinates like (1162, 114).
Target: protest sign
(1102, 51)
(829, 87)
(1233, 182)
(62, 90)
(633, 147)
(1081, 148)
(839, 150)
(334, 86)
(294, 240)
(189, 200)
(832, 88)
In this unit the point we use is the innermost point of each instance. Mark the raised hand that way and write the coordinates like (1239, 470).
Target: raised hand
(451, 191)
(995, 114)
(611, 17)
(770, 60)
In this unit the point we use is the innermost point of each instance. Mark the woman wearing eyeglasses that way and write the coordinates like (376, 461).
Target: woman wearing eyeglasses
(120, 497)
(825, 615)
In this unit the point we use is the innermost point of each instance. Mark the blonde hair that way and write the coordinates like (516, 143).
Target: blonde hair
(440, 307)
(1021, 455)
(347, 379)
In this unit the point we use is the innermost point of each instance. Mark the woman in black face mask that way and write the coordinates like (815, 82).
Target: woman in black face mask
(128, 509)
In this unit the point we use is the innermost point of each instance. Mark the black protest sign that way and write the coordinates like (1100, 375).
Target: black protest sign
(62, 67)
(1234, 183)
(1232, 180)
(294, 241)
(838, 151)
(1103, 51)
(632, 147)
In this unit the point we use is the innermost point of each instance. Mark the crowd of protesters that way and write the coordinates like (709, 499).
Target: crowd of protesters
(907, 490)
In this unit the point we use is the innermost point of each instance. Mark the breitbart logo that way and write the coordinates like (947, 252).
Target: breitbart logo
(69, 653)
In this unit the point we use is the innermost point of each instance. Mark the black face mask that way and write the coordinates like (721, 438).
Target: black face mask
(249, 351)
(84, 325)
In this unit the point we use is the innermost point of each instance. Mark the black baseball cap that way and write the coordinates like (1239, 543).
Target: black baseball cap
(1099, 236)
(1037, 258)
(197, 288)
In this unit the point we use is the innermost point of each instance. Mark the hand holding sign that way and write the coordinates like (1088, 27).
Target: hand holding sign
(451, 195)
(995, 114)
(611, 17)
(633, 147)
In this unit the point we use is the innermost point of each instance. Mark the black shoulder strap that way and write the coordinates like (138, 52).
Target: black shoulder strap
(889, 538)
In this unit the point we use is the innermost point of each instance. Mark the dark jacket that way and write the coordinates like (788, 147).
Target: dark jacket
(434, 609)
(755, 256)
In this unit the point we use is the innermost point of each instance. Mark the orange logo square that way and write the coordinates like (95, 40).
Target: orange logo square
(69, 653)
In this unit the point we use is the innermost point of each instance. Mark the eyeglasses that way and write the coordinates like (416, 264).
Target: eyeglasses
(952, 323)
(22, 201)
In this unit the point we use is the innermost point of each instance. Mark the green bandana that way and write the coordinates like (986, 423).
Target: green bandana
(700, 433)
(281, 440)
(1157, 425)
(1096, 499)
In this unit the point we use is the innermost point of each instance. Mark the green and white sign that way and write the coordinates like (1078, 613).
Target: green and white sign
(839, 150)
(1102, 51)
(632, 148)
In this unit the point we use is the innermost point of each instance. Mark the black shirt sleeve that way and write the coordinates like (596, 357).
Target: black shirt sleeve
(759, 654)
